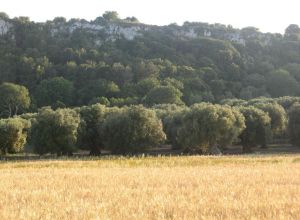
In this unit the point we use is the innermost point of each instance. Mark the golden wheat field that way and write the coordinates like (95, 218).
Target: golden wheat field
(195, 187)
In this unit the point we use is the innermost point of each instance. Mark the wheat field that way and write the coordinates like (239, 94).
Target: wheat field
(265, 187)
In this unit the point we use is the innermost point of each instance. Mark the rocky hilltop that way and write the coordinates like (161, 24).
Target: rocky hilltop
(110, 30)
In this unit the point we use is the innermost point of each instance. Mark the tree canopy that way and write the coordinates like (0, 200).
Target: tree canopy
(75, 62)
(13, 134)
(55, 131)
(132, 130)
(207, 125)
(14, 99)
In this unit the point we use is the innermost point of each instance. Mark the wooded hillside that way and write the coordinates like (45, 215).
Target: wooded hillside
(116, 61)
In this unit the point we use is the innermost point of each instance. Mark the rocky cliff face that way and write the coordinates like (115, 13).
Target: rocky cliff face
(4, 27)
(129, 31)
(111, 30)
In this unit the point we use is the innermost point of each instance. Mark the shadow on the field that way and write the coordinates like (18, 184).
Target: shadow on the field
(165, 150)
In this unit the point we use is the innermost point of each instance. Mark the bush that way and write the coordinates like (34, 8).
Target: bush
(55, 131)
(13, 134)
(132, 130)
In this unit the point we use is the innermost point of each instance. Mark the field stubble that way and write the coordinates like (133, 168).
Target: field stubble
(152, 188)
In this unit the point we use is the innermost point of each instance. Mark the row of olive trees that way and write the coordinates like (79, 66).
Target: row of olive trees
(96, 127)
(201, 128)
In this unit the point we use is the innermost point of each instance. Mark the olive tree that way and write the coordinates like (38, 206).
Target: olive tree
(277, 114)
(258, 125)
(171, 116)
(90, 136)
(164, 110)
(206, 126)
(13, 134)
(287, 101)
(294, 124)
(134, 129)
(55, 131)
(172, 124)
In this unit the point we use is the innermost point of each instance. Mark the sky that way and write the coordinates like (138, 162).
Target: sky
(267, 15)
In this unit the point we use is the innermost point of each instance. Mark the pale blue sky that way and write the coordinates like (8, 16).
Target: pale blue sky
(267, 15)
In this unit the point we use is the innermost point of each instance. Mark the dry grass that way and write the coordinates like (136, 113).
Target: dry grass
(152, 188)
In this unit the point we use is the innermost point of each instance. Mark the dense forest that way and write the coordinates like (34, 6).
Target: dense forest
(122, 85)
(121, 61)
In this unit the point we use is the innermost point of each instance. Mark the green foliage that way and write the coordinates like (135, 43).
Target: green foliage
(207, 125)
(53, 91)
(90, 136)
(292, 32)
(260, 100)
(293, 69)
(163, 95)
(64, 66)
(173, 82)
(55, 131)
(233, 102)
(172, 125)
(258, 125)
(195, 91)
(277, 114)
(294, 124)
(95, 89)
(14, 99)
(119, 102)
(287, 101)
(111, 15)
(164, 110)
(132, 130)
(171, 116)
(101, 100)
(144, 86)
(99, 62)
(13, 134)
(281, 83)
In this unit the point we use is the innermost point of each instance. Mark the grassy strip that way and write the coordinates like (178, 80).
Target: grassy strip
(160, 161)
